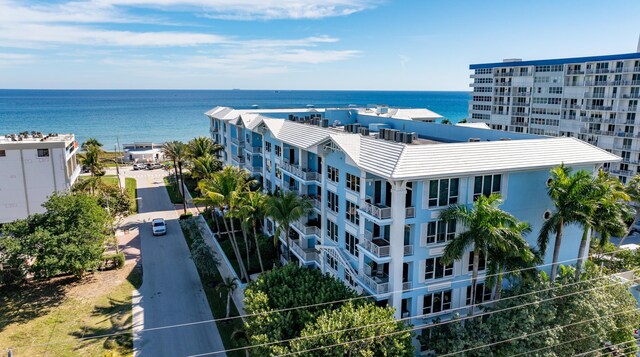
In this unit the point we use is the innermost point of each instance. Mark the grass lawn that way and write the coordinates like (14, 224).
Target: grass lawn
(217, 302)
(174, 194)
(50, 318)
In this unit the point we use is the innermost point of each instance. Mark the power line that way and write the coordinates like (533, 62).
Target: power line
(457, 352)
(424, 315)
(345, 300)
(610, 346)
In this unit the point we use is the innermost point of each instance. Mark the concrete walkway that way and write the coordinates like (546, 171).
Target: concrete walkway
(171, 293)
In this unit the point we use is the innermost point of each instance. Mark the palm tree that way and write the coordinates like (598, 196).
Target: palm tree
(204, 166)
(486, 227)
(572, 197)
(202, 146)
(608, 211)
(220, 191)
(229, 284)
(633, 191)
(285, 209)
(91, 142)
(176, 151)
(520, 256)
(90, 157)
(252, 208)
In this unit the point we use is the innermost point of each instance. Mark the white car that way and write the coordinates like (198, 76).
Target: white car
(159, 227)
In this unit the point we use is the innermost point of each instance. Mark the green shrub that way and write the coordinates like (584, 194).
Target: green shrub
(116, 260)
(186, 215)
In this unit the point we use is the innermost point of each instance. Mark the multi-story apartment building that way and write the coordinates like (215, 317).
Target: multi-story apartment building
(378, 184)
(32, 167)
(592, 98)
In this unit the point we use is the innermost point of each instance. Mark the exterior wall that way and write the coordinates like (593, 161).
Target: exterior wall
(29, 180)
(524, 193)
(597, 102)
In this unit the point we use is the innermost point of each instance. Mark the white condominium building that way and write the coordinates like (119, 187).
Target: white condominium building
(378, 184)
(32, 167)
(592, 98)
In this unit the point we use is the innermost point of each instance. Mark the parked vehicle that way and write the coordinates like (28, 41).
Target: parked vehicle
(139, 166)
(153, 166)
(159, 227)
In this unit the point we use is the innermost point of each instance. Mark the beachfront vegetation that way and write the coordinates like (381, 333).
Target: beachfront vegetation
(69, 238)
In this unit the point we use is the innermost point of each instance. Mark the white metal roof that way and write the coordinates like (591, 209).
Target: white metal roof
(394, 160)
(402, 113)
(474, 125)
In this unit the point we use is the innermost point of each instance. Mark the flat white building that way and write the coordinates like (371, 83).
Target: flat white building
(143, 152)
(592, 98)
(32, 167)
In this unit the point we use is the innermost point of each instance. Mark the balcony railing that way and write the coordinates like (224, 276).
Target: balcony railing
(408, 250)
(622, 172)
(598, 107)
(307, 254)
(299, 172)
(595, 132)
(410, 212)
(628, 160)
(257, 170)
(521, 94)
(254, 149)
(597, 120)
(380, 285)
(376, 246)
(407, 285)
(316, 203)
(377, 210)
(238, 159)
(622, 134)
(570, 71)
(502, 84)
(306, 229)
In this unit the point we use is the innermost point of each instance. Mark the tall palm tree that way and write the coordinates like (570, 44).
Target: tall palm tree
(285, 209)
(203, 146)
(91, 142)
(90, 157)
(220, 191)
(633, 190)
(176, 151)
(204, 166)
(608, 211)
(252, 208)
(229, 285)
(486, 227)
(520, 256)
(572, 197)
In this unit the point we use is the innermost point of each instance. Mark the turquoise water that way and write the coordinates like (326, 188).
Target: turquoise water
(160, 115)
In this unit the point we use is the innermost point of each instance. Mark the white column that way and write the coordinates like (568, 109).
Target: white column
(323, 209)
(398, 212)
(363, 195)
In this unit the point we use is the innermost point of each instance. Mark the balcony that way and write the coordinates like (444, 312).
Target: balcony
(570, 71)
(379, 284)
(410, 212)
(597, 120)
(375, 245)
(300, 173)
(237, 142)
(305, 228)
(572, 106)
(622, 134)
(502, 84)
(256, 170)
(522, 94)
(596, 132)
(238, 159)
(308, 255)
(376, 210)
(598, 107)
(407, 285)
(569, 117)
(622, 172)
(408, 250)
(254, 149)
(628, 160)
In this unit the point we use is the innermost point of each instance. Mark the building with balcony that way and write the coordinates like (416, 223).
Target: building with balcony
(378, 185)
(32, 167)
(592, 98)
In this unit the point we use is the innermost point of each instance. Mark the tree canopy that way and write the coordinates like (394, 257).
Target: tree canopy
(68, 238)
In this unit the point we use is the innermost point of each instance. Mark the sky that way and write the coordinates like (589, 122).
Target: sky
(294, 44)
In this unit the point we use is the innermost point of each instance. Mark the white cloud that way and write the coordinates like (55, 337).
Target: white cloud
(7, 59)
(257, 9)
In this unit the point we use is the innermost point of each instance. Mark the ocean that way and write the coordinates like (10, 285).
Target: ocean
(126, 116)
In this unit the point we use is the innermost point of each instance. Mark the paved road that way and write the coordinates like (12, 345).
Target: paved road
(171, 292)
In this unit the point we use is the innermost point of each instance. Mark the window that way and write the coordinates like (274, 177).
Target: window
(441, 231)
(332, 201)
(278, 172)
(3, 153)
(436, 302)
(332, 231)
(267, 146)
(332, 262)
(352, 213)
(435, 269)
(443, 192)
(555, 90)
(351, 243)
(43, 152)
(486, 185)
(353, 182)
(481, 264)
(349, 279)
(483, 293)
(278, 150)
(333, 174)
(267, 165)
